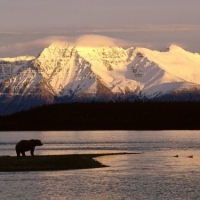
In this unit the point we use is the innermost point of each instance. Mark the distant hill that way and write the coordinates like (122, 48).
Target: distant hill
(106, 116)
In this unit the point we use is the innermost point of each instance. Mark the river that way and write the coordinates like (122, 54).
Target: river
(153, 174)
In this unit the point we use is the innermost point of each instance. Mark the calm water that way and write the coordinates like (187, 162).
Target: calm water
(154, 174)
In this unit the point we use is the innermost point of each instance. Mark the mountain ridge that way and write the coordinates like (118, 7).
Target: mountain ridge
(67, 73)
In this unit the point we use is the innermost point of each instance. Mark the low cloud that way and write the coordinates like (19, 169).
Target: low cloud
(31, 47)
(149, 36)
(98, 41)
(34, 47)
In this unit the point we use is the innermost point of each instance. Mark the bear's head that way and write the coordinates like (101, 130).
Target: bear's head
(37, 142)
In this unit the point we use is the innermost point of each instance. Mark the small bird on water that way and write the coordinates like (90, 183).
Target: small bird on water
(190, 156)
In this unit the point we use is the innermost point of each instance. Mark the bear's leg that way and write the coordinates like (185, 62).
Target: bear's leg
(32, 152)
(23, 153)
(18, 153)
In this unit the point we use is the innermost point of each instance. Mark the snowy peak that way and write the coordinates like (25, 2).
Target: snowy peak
(64, 70)
(11, 66)
(176, 48)
(71, 69)
(177, 62)
(76, 72)
(64, 64)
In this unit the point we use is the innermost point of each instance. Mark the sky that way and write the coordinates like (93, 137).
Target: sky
(27, 26)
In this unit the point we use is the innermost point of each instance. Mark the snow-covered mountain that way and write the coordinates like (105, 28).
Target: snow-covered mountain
(66, 73)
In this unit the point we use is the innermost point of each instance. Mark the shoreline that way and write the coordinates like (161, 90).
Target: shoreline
(53, 162)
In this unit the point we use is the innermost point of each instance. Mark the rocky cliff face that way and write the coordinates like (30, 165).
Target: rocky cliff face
(66, 73)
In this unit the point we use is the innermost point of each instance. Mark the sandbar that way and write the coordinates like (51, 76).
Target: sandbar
(52, 162)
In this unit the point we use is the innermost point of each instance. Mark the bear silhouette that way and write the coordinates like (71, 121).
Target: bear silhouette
(27, 145)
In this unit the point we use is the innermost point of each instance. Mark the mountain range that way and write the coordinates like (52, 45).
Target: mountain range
(69, 73)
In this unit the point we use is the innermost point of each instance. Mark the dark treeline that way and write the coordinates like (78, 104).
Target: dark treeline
(107, 116)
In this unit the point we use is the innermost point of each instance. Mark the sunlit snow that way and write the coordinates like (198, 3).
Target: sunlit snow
(76, 69)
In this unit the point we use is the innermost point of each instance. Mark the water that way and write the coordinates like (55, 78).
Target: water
(154, 174)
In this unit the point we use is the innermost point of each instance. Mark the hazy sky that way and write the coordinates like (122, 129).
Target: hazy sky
(27, 26)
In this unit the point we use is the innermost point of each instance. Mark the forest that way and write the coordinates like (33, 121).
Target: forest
(106, 116)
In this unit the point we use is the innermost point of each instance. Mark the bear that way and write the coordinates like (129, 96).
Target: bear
(27, 145)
